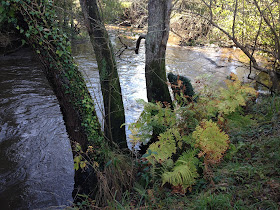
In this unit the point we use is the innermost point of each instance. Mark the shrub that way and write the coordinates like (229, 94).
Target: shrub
(188, 139)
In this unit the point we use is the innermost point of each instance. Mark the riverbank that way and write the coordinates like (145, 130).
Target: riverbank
(247, 178)
(251, 166)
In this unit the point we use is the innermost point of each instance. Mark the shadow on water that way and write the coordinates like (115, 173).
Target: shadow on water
(36, 162)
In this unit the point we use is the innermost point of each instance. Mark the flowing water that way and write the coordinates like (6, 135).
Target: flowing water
(192, 62)
(36, 162)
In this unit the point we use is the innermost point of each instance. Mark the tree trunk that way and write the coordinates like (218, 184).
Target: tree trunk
(156, 41)
(275, 81)
(68, 83)
(109, 79)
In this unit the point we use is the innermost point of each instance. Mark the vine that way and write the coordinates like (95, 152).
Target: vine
(36, 22)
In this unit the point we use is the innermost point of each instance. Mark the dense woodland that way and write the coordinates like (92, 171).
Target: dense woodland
(209, 148)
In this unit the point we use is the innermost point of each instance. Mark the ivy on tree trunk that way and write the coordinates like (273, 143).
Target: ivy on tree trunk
(37, 23)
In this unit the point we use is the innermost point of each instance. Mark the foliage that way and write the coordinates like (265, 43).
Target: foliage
(184, 172)
(165, 146)
(39, 27)
(111, 10)
(212, 201)
(248, 179)
(224, 101)
(212, 142)
(116, 178)
(113, 178)
(234, 96)
(246, 17)
(268, 109)
(253, 27)
(154, 118)
(187, 141)
(68, 16)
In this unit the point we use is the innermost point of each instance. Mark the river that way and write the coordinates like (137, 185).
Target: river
(36, 162)
(212, 62)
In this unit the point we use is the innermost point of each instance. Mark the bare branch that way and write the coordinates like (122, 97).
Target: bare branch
(276, 37)
(238, 44)
(253, 50)
(143, 36)
(234, 18)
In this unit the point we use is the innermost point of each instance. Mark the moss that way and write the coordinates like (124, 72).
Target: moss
(157, 88)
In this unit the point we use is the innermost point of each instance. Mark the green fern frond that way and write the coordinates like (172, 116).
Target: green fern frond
(184, 173)
(188, 156)
(225, 100)
(235, 95)
(153, 120)
(167, 165)
(165, 147)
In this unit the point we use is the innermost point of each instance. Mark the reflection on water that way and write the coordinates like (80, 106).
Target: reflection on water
(36, 163)
(186, 61)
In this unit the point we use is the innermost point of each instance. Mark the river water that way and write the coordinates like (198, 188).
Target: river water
(213, 63)
(36, 162)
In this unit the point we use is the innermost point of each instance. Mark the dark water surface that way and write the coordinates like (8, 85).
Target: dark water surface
(36, 163)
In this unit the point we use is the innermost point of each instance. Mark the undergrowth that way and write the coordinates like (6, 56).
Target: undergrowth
(248, 177)
(222, 158)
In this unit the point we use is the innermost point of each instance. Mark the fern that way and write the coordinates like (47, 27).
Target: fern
(187, 132)
(184, 173)
(153, 120)
(225, 100)
(235, 95)
(165, 147)
(134, 138)
(187, 156)
(211, 140)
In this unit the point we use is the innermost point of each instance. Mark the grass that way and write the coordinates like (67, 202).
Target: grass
(248, 178)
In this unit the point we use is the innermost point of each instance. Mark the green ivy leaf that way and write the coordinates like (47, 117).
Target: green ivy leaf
(59, 53)
(76, 166)
(83, 164)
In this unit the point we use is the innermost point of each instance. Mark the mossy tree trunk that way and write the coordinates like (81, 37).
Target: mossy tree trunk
(156, 41)
(109, 79)
(36, 21)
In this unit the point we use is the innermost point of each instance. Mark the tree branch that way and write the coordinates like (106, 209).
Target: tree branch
(234, 18)
(276, 37)
(142, 36)
(238, 44)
